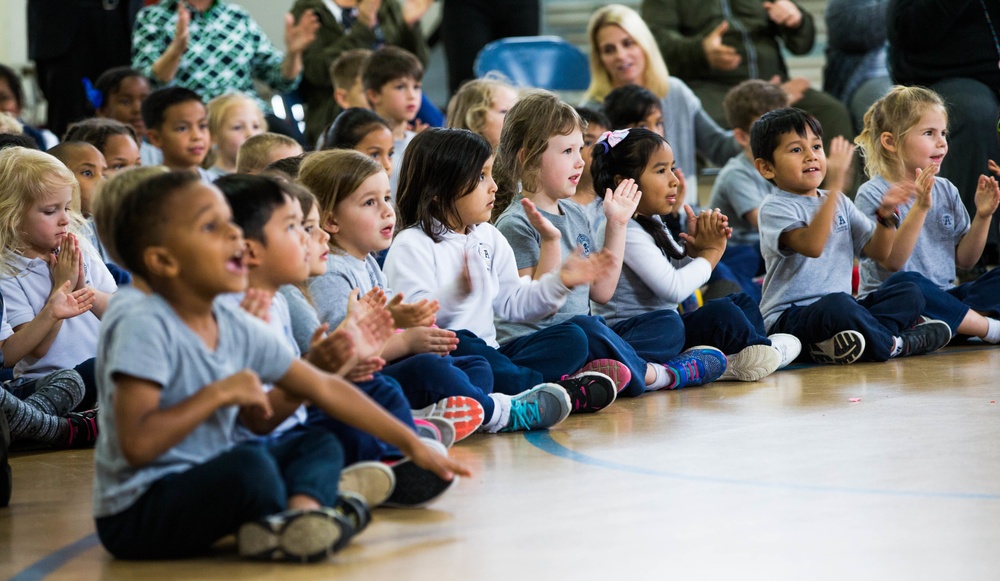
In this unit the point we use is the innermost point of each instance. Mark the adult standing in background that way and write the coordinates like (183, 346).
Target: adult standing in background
(856, 71)
(70, 40)
(348, 24)
(951, 46)
(213, 47)
(716, 44)
(469, 25)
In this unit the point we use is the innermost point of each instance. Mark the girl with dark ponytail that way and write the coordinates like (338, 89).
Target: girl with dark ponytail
(658, 272)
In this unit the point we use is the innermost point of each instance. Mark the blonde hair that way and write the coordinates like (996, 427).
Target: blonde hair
(654, 77)
(253, 154)
(27, 176)
(10, 124)
(111, 194)
(896, 113)
(218, 109)
(473, 100)
(334, 174)
(529, 124)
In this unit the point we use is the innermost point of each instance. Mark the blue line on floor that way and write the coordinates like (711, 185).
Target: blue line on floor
(543, 441)
(48, 564)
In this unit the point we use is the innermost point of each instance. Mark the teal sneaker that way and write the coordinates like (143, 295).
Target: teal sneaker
(539, 408)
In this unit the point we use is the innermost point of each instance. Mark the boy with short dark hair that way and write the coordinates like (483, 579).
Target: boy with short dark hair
(177, 367)
(809, 238)
(177, 123)
(392, 80)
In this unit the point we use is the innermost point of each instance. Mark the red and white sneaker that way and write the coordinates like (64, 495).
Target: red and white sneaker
(463, 413)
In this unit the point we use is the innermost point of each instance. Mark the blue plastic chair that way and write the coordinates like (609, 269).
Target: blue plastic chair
(544, 62)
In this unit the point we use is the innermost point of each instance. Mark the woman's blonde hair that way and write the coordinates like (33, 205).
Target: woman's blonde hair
(334, 174)
(27, 176)
(218, 108)
(654, 77)
(107, 201)
(896, 113)
(529, 124)
(468, 107)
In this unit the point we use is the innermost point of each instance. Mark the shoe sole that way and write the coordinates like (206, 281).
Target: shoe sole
(415, 486)
(616, 370)
(307, 537)
(848, 346)
(464, 414)
(751, 364)
(373, 481)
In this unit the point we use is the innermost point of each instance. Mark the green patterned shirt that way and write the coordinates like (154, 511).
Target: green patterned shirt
(226, 50)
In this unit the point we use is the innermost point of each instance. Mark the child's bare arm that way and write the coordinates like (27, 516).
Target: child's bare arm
(101, 300)
(261, 421)
(811, 239)
(909, 230)
(343, 401)
(145, 431)
(970, 247)
(881, 242)
(550, 250)
(619, 207)
(36, 336)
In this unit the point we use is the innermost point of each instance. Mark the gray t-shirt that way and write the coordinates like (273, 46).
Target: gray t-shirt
(739, 188)
(526, 242)
(794, 279)
(303, 315)
(934, 253)
(143, 337)
(344, 273)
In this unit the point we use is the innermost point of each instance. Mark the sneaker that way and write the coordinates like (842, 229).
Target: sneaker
(416, 486)
(436, 429)
(539, 408)
(616, 370)
(788, 345)
(696, 366)
(589, 391)
(372, 481)
(751, 363)
(844, 348)
(82, 429)
(294, 535)
(463, 413)
(925, 337)
(355, 510)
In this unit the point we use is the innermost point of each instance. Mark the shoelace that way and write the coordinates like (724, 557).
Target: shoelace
(577, 385)
(691, 369)
(523, 416)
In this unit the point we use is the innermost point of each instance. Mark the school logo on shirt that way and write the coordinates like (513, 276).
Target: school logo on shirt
(840, 223)
(487, 254)
(948, 221)
(584, 242)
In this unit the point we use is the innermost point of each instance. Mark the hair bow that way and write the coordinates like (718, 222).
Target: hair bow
(612, 138)
(94, 96)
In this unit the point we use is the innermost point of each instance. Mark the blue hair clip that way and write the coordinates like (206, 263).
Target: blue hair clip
(95, 97)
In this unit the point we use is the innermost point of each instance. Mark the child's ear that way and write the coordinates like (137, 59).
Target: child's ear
(159, 262)
(340, 96)
(764, 167)
(888, 141)
(329, 223)
(372, 96)
(153, 135)
(618, 179)
(741, 137)
(252, 249)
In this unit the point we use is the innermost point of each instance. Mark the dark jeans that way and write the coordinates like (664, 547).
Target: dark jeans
(730, 324)
(656, 337)
(184, 514)
(427, 378)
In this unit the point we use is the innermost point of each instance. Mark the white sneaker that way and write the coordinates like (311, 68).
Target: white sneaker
(788, 345)
(373, 481)
(751, 363)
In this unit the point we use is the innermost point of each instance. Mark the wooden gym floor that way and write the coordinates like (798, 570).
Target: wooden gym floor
(787, 478)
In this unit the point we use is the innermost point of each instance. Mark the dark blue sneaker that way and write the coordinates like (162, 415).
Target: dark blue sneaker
(696, 366)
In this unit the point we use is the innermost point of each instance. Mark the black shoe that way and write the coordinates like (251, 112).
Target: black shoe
(416, 486)
(925, 337)
(82, 429)
(589, 391)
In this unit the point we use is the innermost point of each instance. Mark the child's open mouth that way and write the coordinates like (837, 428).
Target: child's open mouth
(235, 263)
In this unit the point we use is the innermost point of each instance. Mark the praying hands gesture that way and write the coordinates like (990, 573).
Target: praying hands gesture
(67, 264)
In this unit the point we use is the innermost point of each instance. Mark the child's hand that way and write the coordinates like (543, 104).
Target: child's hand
(64, 304)
(896, 195)
(923, 186)
(711, 233)
(540, 223)
(418, 314)
(443, 466)
(838, 163)
(68, 264)
(417, 126)
(300, 35)
(243, 389)
(579, 269)
(373, 300)
(620, 205)
(682, 189)
(365, 370)
(331, 352)
(257, 302)
(370, 332)
(994, 168)
(430, 340)
(464, 285)
(987, 196)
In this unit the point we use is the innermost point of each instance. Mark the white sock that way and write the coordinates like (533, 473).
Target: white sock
(897, 346)
(664, 377)
(501, 413)
(993, 332)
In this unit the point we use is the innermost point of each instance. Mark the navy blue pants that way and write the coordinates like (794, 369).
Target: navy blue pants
(744, 263)
(184, 514)
(603, 342)
(427, 378)
(523, 363)
(940, 304)
(982, 294)
(730, 324)
(656, 337)
(879, 317)
(359, 445)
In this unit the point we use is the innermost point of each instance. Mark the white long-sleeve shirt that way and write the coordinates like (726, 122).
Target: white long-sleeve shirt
(419, 268)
